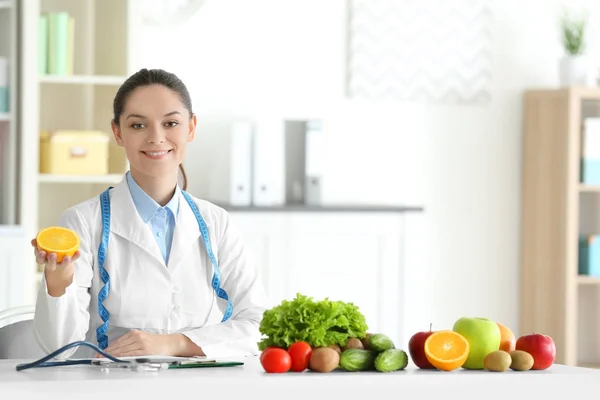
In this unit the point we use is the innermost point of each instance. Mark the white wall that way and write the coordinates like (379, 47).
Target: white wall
(284, 58)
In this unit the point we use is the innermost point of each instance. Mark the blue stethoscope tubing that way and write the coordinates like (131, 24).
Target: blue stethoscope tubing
(44, 361)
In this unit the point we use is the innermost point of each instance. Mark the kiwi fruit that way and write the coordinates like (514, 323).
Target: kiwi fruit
(497, 361)
(365, 341)
(353, 343)
(337, 348)
(324, 359)
(521, 360)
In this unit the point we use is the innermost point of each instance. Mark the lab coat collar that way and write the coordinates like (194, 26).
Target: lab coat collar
(146, 205)
(186, 233)
(127, 223)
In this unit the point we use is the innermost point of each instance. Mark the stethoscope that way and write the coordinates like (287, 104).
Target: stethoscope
(105, 290)
(45, 362)
(109, 363)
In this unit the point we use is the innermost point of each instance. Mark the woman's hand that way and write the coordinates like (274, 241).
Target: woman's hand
(140, 343)
(58, 275)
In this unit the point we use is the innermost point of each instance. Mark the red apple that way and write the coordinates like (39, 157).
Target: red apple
(416, 348)
(541, 347)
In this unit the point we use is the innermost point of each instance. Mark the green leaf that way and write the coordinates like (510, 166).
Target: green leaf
(319, 323)
(573, 34)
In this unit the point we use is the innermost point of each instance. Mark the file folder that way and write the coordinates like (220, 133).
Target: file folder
(240, 174)
(269, 163)
(231, 181)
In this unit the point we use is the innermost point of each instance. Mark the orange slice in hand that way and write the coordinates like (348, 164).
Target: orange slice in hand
(447, 350)
(55, 239)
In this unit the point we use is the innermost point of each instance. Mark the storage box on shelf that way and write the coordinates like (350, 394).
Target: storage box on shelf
(71, 152)
(560, 205)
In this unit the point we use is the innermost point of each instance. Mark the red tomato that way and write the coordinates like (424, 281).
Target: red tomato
(300, 353)
(265, 350)
(276, 360)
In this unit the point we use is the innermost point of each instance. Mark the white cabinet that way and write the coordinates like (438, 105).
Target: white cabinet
(16, 282)
(350, 256)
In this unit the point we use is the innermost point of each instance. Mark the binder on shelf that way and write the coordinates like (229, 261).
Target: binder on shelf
(269, 163)
(589, 255)
(288, 162)
(70, 53)
(43, 44)
(295, 161)
(58, 31)
(303, 161)
(231, 183)
(315, 158)
(240, 174)
(4, 96)
(590, 152)
(56, 41)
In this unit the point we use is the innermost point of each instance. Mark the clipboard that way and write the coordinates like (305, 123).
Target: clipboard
(154, 359)
(205, 364)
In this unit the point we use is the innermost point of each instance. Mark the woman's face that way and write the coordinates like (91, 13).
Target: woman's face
(154, 129)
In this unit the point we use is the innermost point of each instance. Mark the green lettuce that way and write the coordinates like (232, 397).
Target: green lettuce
(319, 323)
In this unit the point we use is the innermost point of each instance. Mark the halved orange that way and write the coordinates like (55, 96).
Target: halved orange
(446, 350)
(55, 239)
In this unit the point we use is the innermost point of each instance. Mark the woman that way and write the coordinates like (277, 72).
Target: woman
(143, 281)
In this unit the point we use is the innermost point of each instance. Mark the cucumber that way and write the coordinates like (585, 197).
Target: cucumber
(358, 360)
(391, 360)
(380, 342)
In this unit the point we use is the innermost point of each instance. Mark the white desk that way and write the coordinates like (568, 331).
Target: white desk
(249, 381)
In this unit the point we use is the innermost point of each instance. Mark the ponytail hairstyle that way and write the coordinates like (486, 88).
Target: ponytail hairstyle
(147, 77)
(183, 177)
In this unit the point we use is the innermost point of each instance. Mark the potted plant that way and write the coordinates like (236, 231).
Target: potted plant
(574, 65)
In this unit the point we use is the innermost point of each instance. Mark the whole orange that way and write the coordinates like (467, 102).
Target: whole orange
(508, 341)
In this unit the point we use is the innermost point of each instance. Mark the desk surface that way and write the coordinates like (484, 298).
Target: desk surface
(86, 382)
(325, 208)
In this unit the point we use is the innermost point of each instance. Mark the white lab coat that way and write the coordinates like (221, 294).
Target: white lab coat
(148, 295)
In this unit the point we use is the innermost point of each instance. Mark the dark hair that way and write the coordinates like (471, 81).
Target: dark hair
(147, 77)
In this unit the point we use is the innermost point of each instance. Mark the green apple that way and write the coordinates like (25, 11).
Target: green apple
(483, 336)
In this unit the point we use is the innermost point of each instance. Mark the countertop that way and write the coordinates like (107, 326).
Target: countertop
(353, 208)
(250, 381)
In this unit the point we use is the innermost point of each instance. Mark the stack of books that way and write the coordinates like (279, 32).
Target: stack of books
(56, 43)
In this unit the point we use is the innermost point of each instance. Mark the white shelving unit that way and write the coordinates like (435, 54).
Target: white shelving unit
(81, 179)
(8, 124)
(104, 55)
(83, 79)
(556, 209)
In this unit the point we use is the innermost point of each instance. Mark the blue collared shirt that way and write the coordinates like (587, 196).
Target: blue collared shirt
(161, 220)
